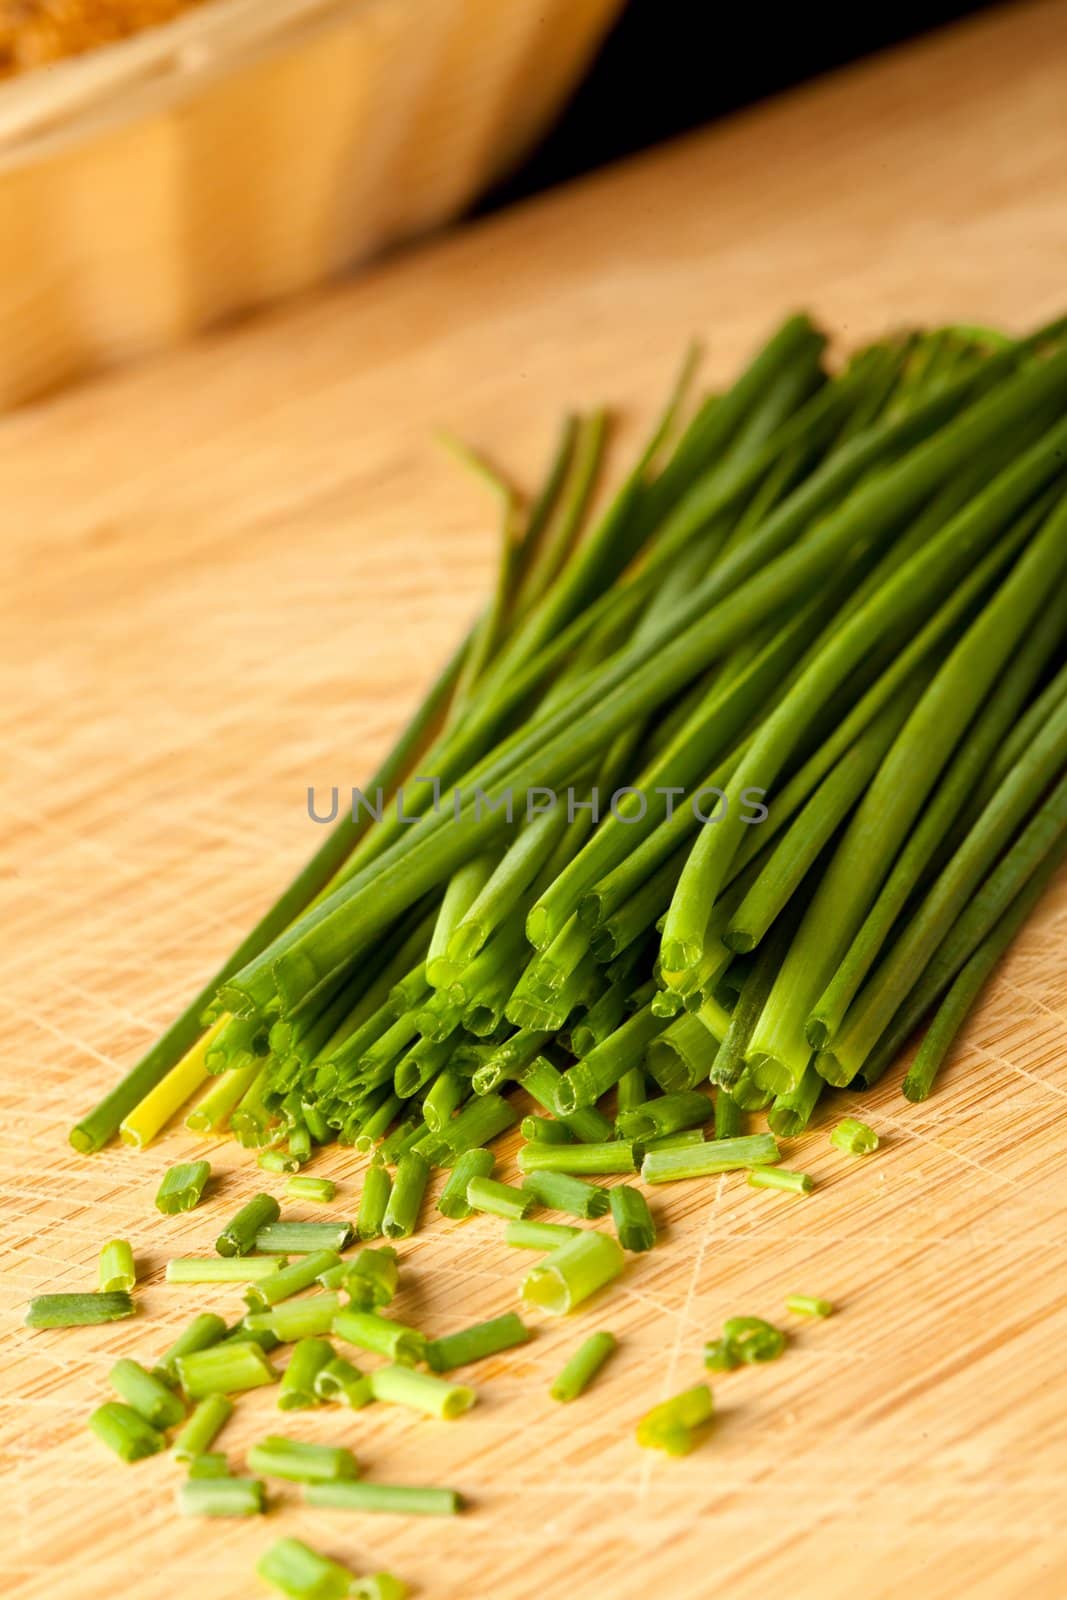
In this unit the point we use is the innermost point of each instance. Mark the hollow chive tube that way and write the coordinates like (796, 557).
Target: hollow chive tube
(295, 1570)
(543, 1130)
(306, 1318)
(753, 1339)
(538, 1235)
(220, 1269)
(396, 1499)
(561, 1192)
(239, 1334)
(674, 1141)
(225, 1368)
(421, 1391)
(238, 1237)
(477, 1342)
(670, 1113)
(498, 1199)
(182, 1187)
(290, 1280)
(371, 1279)
(602, 1068)
(125, 1431)
(340, 1383)
(855, 1138)
(377, 1187)
(471, 1164)
(321, 1190)
(116, 1270)
(792, 1111)
(409, 1187)
(147, 1395)
(223, 1093)
(78, 1310)
(277, 1161)
(669, 1426)
(808, 1305)
(633, 1220)
(200, 1432)
(204, 1330)
(541, 1080)
(444, 1096)
(729, 1117)
(617, 1156)
(210, 1464)
(369, 1331)
(477, 1124)
(222, 1497)
(297, 1391)
(279, 1457)
(301, 1238)
(780, 1178)
(715, 1155)
(334, 1276)
(583, 1367)
(572, 1272)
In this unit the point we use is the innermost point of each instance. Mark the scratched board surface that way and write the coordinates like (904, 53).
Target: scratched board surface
(227, 577)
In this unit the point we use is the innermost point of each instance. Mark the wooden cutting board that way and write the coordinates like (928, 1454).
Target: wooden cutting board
(226, 577)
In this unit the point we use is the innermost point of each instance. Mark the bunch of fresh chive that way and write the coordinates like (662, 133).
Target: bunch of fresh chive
(812, 658)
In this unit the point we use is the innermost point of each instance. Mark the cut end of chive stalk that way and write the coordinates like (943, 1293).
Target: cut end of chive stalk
(833, 1070)
(806, 1305)
(573, 1272)
(680, 955)
(817, 1032)
(855, 1138)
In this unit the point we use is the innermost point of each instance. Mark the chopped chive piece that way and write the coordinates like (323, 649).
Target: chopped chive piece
(398, 1499)
(220, 1269)
(203, 1427)
(238, 1237)
(669, 1426)
(560, 1192)
(297, 1390)
(616, 1156)
(240, 1334)
(78, 1310)
(409, 1187)
(278, 1457)
(290, 1280)
(182, 1187)
(715, 1155)
(632, 1218)
(744, 1340)
(572, 1272)
(301, 1238)
(334, 1276)
(543, 1130)
(421, 1391)
(371, 1279)
(369, 1331)
(498, 1199)
(277, 1161)
(297, 1319)
(471, 1164)
(204, 1330)
(321, 1190)
(299, 1572)
(670, 1113)
(855, 1138)
(343, 1383)
(538, 1235)
(211, 1464)
(116, 1270)
(721, 1356)
(808, 1305)
(224, 1368)
(379, 1586)
(583, 1367)
(377, 1187)
(147, 1395)
(221, 1497)
(126, 1432)
(780, 1178)
(674, 1141)
(477, 1342)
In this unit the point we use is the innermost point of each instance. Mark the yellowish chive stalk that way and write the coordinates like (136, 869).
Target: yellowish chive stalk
(141, 1126)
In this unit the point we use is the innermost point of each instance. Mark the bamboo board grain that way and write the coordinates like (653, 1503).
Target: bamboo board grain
(225, 577)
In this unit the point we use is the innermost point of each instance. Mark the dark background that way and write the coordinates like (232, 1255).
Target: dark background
(671, 65)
